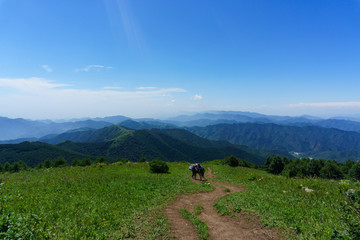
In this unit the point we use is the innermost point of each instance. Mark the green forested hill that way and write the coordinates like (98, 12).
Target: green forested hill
(160, 144)
(88, 135)
(35, 152)
(117, 142)
(311, 140)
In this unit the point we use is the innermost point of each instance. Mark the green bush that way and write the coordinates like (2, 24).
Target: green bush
(122, 160)
(48, 163)
(7, 167)
(142, 159)
(158, 166)
(354, 171)
(60, 162)
(331, 171)
(85, 162)
(232, 161)
(100, 160)
(275, 165)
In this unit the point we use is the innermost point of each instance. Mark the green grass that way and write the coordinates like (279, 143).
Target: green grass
(127, 201)
(107, 202)
(198, 209)
(200, 226)
(283, 203)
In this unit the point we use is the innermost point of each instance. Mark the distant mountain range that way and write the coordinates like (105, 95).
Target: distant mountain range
(256, 134)
(13, 129)
(310, 141)
(213, 118)
(118, 142)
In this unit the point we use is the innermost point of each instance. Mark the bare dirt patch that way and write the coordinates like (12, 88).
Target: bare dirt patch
(220, 227)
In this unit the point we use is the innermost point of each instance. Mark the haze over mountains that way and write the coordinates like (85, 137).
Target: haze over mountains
(251, 136)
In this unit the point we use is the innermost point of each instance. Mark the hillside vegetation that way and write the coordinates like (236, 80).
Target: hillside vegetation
(305, 208)
(120, 201)
(312, 141)
(32, 153)
(117, 142)
(98, 202)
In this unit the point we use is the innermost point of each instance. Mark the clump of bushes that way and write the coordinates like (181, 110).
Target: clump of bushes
(306, 167)
(349, 213)
(233, 161)
(158, 166)
(142, 160)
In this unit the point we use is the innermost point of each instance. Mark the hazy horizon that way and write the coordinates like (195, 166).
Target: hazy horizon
(344, 117)
(156, 59)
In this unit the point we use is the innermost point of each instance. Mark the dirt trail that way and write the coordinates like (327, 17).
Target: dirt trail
(220, 227)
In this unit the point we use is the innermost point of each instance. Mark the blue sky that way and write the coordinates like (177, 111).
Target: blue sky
(159, 58)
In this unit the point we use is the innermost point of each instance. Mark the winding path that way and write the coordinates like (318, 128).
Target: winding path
(220, 227)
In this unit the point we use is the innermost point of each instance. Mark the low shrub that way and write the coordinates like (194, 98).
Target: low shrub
(158, 166)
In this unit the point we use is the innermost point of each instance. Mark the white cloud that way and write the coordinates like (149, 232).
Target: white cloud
(92, 68)
(47, 68)
(30, 85)
(42, 98)
(146, 88)
(326, 104)
(196, 97)
(112, 88)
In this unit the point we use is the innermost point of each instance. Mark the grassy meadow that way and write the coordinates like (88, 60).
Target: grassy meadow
(120, 201)
(283, 202)
(97, 202)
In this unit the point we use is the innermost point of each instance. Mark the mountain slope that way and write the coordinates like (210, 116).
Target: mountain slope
(22, 128)
(137, 125)
(35, 152)
(229, 117)
(308, 139)
(87, 135)
(158, 143)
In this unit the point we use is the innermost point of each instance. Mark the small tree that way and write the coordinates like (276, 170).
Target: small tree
(291, 169)
(85, 162)
(142, 159)
(313, 168)
(275, 165)
(39, 166)
(354, 172)
(123, 160)
(60, 162)
(48, 163)
(345, 168)
(16, 167)
(331, 170)
(232, 161)
(100, 160)
(75, 162)
(7, 167)
(158, 166)
(23, 165)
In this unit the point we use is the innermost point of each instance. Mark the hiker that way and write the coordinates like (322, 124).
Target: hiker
(197, 168)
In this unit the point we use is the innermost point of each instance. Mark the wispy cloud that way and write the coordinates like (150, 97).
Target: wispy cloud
(47, 68)
(196, 97)
(131, 28)
(30, 85)
(146, 88)
(92, 68)
(326, 104)
(112, 88)
(48, 99)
